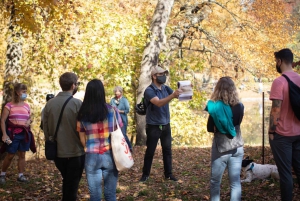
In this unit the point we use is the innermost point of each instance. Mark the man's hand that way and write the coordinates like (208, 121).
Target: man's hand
(176, 93)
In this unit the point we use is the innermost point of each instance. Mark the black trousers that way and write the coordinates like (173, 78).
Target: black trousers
(286, 152)
(154, 133)
(71, 171)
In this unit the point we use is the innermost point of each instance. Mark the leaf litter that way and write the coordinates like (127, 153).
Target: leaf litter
(191, 165)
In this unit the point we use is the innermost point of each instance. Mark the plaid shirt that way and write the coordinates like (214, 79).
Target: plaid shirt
(98, 134)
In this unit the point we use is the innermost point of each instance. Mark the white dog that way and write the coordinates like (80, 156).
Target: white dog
(258, 171)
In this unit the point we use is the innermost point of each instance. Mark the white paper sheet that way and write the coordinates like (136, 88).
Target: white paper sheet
(187, 90)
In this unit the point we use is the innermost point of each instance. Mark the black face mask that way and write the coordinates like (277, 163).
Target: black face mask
(161, 79)
(278, 68)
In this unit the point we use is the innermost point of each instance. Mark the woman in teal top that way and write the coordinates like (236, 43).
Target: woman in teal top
(225, 116)
(122, 104)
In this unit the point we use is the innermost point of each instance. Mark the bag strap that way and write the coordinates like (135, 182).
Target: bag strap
(287, 78)
(152, 87)
(60, 116)
(115, 118)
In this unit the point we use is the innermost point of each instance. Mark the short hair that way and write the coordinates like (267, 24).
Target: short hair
(118, 88)
(66, 80)
(285, 55)
(18, 87)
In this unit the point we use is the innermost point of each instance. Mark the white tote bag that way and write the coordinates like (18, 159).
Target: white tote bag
(121, 152)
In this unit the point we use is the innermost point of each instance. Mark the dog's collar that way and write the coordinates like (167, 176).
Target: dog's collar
(251, 167)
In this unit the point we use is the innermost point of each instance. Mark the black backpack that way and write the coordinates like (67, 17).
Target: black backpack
(294, 94)
(141, 108)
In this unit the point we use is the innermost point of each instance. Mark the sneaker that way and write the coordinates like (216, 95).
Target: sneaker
(22, 179)
(171, 178)
(144, 178)
(2, 179)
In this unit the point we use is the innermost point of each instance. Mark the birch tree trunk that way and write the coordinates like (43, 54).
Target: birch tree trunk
(13, 57)
(157, 42)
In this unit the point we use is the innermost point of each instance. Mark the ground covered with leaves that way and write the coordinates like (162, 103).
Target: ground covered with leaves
(191, 166)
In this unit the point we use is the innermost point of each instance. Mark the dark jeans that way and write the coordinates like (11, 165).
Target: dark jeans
(153, 135)
(71, 171)
(286, 152)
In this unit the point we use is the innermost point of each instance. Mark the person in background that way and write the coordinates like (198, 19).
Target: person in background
(284, 127)
(16, 132)
(95, 122)
(48, 97)
(158, 126)
(70, 152)
(225, 98)
(122, 104)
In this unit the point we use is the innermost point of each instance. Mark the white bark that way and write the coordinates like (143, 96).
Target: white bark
(14, 55)
(157, 42)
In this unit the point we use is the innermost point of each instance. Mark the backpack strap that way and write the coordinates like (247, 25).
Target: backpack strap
(286, 77)
(294, 91)
(149, 103)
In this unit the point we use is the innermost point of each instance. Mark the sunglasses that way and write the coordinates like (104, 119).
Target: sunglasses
(77, 83)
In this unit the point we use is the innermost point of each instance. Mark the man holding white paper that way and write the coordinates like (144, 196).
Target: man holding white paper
(158, 127)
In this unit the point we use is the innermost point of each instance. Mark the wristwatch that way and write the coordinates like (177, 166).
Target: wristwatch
(270, 132)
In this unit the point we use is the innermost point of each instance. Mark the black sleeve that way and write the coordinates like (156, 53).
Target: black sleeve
(238, 114)
(210, 124)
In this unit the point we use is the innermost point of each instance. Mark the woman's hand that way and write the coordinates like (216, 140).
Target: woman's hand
(4, 137)
(28, 122)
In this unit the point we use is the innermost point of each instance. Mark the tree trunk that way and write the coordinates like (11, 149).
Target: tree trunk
(13, 57)
(150, 57)
(12, 66)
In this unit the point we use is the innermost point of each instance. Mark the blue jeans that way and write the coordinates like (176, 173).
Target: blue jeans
(96, 167)
(286, 152)
(219, 161)
(154, 133)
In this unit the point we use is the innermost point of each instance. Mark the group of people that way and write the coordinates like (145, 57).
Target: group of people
(83, 137)
(225, 116)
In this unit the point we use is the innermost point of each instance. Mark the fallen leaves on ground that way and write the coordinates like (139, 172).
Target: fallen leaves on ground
(190, 165)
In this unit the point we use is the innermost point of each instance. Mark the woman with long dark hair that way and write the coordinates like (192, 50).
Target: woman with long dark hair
(95, 122)
(225, 116)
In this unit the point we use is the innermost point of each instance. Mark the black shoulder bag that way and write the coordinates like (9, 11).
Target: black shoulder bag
(294, 94)
(51, 143)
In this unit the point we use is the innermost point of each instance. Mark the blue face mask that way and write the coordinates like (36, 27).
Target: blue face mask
(23, 96)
